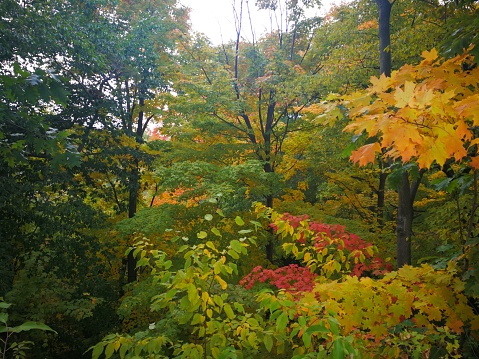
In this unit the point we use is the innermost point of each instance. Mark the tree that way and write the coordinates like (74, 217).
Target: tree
(130, 46)
(253, 92)
(423, 113)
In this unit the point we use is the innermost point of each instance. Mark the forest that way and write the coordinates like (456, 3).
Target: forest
(308, 192)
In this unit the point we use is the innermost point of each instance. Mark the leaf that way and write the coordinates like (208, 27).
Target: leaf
(216, 231)
(405, 97)
(97, 350)
(338, 349)
(282, 321)
(208, 217)
(366, 154)
(268, 342)
(239, 221)
(31, 326)
(4, 305)
(318, 328)
(429, 56)
(236, 245)
(306, 340)
(221, 282)
(109, 350)
(228, 311)
(202, 235)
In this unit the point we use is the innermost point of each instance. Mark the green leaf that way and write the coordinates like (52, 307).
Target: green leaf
(236, 245)
(109, 350)
(211, 245)
(268, 342)
(233, 254)
(208, 217)
(306, 339)
(318, 328)
(216, 231)
(202, 235)
(30, 326)
(239, 221)
(4, 305)
(282, 321)
(97, 350)
(338, 349)
(4, 318)
(334, 325)
(228, 311)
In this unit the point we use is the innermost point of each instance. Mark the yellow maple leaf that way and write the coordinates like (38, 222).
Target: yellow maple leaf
(469, 108)
(429, 56)
(366, 154)
(453, 145)
(405, 97)
(381, 84)
(432, 150)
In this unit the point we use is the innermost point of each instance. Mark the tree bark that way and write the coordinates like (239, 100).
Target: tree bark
(404, 222)
(384, 7)
(406, 191)
(134, 188)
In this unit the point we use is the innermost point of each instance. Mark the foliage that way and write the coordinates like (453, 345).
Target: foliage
(422, 113)
(198, 300)
(405, 312)
(17, 348)
(326, 249)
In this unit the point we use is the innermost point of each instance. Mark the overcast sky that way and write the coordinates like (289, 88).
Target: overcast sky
(214, 18)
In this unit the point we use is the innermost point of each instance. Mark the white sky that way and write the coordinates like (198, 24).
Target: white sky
(215, 18)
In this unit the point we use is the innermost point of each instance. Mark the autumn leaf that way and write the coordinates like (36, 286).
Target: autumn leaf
(429, 56)
(405, 97)
(366, 154)
(474, 162)
(381, 84)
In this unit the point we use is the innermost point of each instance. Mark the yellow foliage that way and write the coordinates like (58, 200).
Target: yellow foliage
(421, 113)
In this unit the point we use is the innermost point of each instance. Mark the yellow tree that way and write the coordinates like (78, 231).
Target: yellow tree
(424, 114)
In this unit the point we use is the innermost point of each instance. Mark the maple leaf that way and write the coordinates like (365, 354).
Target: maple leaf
(455, 324)
(366, 154)
(397, 310)
(432, 150)
(453, 144)
(462, 130)
(429, 56)
(475, 323)
(474, 162)
(381, 84)
(469, 108)
(405, 97)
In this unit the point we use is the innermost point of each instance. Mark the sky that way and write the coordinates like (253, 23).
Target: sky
(214, 18)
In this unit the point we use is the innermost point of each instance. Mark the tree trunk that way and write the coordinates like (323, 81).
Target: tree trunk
(134, 188)
(381, 198)
(270, 245)
(384, 7)
(406, 192)
(404, 222)
(134, 184)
